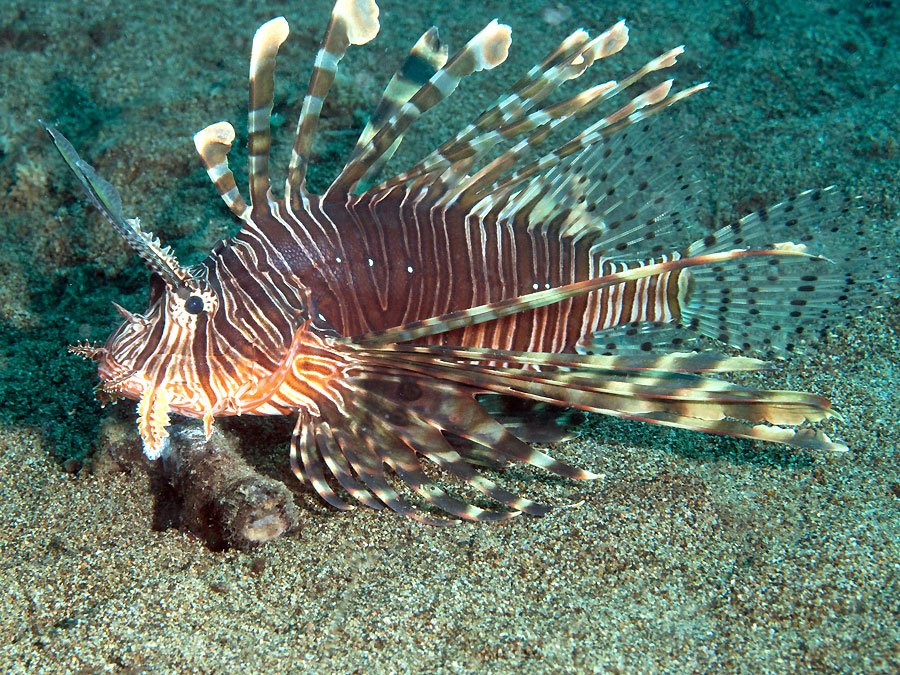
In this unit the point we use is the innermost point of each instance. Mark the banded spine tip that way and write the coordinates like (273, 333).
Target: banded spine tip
(490, 47)
(360, 18)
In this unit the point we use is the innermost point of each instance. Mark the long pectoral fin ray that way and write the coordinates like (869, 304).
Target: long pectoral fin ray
(496, 310)
(660, 389)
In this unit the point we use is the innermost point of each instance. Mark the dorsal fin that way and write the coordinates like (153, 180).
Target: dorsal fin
(353, 22)
(488, 49)
(213, 144)
(269, 37)
(425, 58)
(568, 61)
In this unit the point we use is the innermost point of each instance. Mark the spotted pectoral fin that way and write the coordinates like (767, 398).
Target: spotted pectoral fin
(392, 430)
(153, 418)
(668, 389)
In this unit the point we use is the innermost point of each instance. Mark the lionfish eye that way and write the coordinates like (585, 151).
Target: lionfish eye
(194, 304)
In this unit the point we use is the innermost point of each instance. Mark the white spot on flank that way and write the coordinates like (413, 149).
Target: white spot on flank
(547, 286)
(338, 260)
(409, 269)
(371, 263)
(535, 286)
(321, 317)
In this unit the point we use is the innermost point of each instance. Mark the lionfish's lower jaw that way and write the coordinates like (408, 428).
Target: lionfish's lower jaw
(116, 379)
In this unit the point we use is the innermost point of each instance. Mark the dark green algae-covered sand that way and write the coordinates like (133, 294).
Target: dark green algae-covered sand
(692, 554)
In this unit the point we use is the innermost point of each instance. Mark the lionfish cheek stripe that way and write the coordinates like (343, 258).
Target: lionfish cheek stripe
(443, 318)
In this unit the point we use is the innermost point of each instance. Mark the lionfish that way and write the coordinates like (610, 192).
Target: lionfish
(443, 320)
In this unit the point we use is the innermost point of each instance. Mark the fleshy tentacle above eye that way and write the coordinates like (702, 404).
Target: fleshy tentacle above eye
(106, 199)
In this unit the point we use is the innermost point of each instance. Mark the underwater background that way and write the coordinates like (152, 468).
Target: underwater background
(694, 553)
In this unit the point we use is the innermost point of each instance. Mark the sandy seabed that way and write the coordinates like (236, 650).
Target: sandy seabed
(692, 554)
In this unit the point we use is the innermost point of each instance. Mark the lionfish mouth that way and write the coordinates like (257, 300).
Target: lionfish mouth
(113, 376)
(113, 380)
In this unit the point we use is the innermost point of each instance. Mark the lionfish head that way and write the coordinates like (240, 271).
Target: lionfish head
(153, 350)
(151, 357)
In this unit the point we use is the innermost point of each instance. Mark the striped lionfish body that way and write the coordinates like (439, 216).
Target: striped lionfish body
(439, 317)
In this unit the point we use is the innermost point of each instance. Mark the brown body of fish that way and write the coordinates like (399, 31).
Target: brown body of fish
(452, 314)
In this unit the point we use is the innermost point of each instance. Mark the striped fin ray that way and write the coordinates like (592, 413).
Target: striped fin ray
(488, 182)
(539, 124)
(513, 117)
(269, 37)
(620, 195)
(399, 402)
(456, 412)
(403, 417)
(688, 401)
(655, 383)
(213, 144)
(638, 109)
(636, 337)
(569, 60)
(425, 437)
(425, 58)
(488, 49)
(691, 396)
(337, 462)
(672, 363)
(492, 311)
(306, 461)
(355, 451)
(394, 437)
(375, 438)
(362, 454)
(353, 22)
